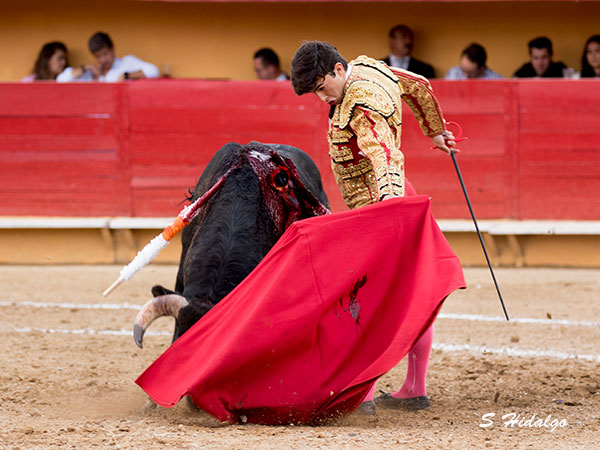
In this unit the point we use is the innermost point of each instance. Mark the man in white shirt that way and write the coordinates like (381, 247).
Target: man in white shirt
(266, 65)
(110, 68)
(472, 65)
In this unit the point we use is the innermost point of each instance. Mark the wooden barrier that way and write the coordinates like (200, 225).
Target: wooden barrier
(133, 149)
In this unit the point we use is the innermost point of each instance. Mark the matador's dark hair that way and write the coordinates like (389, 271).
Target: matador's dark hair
(313, 60)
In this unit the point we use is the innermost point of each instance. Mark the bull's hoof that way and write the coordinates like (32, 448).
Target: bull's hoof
(407, 404)
(191, 405)
(149, 406)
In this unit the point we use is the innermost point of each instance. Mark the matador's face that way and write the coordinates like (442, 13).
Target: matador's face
(331, 88)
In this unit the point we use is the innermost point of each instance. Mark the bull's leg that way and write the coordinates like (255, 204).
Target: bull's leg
(191, 405)
(175, 332)
(149, 406)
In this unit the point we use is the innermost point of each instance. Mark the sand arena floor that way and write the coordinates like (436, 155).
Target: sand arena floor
(68, 365)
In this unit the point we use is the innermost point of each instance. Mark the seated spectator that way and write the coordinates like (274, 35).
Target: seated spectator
(401, 40)
(51, 61)
(590, 61)
(266, 66)
(541, 64)
(109, 68)
(472, 65)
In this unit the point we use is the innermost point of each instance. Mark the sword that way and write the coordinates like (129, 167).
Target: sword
(464, 189)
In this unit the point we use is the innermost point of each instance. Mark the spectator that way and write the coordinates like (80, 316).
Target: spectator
(266, 65)
(109, 68)
(472, 65)
(590, 61)
(401, 40)
(541, 64)
(51, 61)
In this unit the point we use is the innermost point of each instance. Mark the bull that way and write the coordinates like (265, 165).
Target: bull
(263, 188)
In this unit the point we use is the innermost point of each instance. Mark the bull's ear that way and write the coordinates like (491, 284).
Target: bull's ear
(311, 208)
(309, 203)
(158, 290)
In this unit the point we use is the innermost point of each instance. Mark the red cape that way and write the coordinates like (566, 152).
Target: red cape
(337, 302)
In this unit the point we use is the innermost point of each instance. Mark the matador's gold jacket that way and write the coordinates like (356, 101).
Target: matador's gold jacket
(364, 131)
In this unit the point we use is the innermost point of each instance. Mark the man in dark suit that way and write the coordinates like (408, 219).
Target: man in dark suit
(401, 40)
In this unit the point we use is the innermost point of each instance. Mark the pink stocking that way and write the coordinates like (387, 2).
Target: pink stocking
(371, 393)
(418, 360)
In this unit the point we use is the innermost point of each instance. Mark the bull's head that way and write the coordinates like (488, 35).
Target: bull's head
(287, 199)
(283, 196)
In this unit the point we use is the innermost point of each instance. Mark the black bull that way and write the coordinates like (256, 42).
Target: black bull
(266, 188)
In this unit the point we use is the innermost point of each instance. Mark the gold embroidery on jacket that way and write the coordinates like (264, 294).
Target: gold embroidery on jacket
(341, 153)
(377, 142)
(340, 136)
(349, 171)
(417, 94)
(367, 94)
(356, 192)
(371, 113)
(363, 60)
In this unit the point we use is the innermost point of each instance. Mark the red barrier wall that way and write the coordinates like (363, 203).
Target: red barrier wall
(133, 149)
(64, 150)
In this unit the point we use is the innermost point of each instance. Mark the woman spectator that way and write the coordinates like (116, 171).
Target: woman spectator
(51, 61)
(590, 61)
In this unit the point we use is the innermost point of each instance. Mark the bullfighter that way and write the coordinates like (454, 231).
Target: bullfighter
(366, 97)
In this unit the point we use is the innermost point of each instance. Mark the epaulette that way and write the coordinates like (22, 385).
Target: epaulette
(367, 94)
(371, 93)
(380, 66)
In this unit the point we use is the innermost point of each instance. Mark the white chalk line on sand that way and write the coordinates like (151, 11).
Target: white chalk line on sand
(90, 331)
(72, 305)
(449, 348)
(470, 317)
(480, 318)
(476, 349)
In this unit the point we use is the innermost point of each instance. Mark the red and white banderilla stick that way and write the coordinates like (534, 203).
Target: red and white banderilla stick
(154, 247)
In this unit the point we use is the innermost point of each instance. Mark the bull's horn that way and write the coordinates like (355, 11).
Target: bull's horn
(163, 305)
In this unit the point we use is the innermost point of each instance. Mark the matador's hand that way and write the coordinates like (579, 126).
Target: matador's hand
(445, 142)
